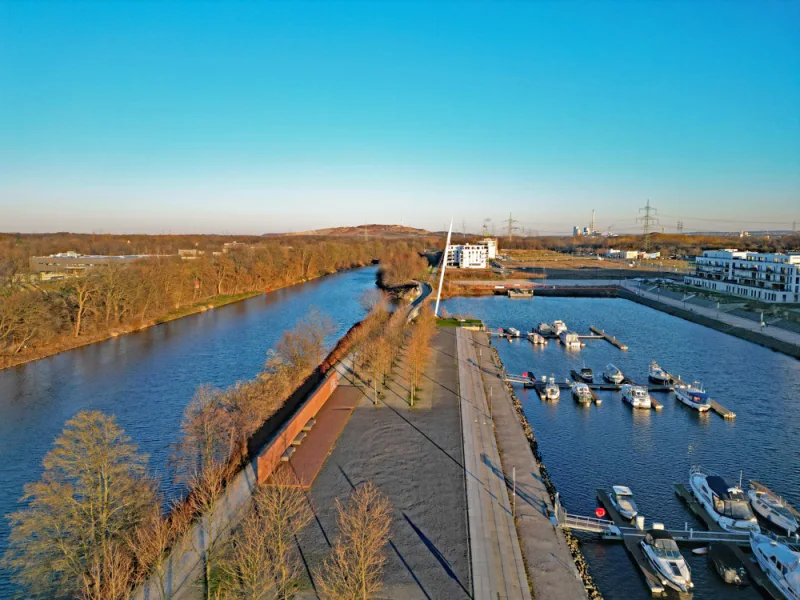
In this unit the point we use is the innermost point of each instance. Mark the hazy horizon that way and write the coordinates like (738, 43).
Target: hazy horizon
(253, 118)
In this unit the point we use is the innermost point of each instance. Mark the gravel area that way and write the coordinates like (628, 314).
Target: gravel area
(414, 456)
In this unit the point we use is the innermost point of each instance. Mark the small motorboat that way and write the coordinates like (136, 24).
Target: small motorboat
(636, 396)
(537, 339)
(582, 393)
(587, 375)
(622, 499)
(727, 565)
(613, 375)
(657, 375)
(558, 327)
(570, 340)
(511, 331)
(779, 562)
(551, 390)
(693, 396)
(773, 510)
(726, 504)
(545, 329)
(662, 552)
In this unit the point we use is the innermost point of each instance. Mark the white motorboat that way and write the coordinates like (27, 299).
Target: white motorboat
(558, 327)
(694, 396)
(657, 375)
(537, 339)
(587, 375)
(662, 552)
(511, 331)
(570, 340)
(636, 396)
(545, 329)
(613, 375)
(780, 563)
(622, 499)
(582, 393)
(773, 510)
(725, 503)
(551, 390)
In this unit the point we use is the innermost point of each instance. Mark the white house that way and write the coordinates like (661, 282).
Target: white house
(467, 256)
(764, 277)
(491, 247)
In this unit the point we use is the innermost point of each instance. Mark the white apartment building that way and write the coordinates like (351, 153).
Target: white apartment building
(467, 256)
(491, 247)
(752, 275)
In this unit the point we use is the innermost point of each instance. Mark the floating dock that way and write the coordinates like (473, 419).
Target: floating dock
(609, 338)
(632, 546)
(715, 406)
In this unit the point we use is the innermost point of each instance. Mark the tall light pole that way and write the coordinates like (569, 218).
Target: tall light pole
(444, 264)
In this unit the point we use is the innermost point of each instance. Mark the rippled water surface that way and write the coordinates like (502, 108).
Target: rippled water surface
(585, 448)
(147, 378)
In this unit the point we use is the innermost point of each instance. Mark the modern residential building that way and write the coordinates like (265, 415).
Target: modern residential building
(752, 275)
(467, 256)
(69, 264)
(491, 247)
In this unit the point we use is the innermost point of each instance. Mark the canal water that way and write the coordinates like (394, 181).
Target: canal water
(586, 448)
(147, 378)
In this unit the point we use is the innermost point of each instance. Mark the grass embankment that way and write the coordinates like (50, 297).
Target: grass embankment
(207, 304)
(451, 322)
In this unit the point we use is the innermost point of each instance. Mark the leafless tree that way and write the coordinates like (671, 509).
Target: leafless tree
(354, 569)
(70, 538)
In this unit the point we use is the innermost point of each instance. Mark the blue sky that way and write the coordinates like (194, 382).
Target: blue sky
(251, 117)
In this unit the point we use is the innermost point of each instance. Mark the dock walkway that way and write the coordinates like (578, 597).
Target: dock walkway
(550, 565)
(498, 570)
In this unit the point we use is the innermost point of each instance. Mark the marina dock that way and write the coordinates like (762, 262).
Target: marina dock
(609, 338)
(715, 406)
(632, 546)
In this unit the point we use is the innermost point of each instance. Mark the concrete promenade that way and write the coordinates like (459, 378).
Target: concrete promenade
(783, 335)
(498, 570)
(550, 564)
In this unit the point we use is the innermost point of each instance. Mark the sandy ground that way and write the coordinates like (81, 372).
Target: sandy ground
(415, 457)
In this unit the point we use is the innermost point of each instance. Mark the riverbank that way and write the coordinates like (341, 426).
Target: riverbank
(70, 343)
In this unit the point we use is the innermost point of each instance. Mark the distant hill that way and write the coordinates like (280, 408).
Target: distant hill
(374, 230)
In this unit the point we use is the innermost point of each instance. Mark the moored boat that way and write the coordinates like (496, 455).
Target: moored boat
(582, 393)
(545, 329)
(694, 396)
(780, 564)
(536, 338)
(773, 510)
(662, 553)
(657, 375)
(551, 390)
(613, 375)
(622, 499)
(511, 331)
(636, 396)
(558, 327)
(727, 564)
(586, 374)
(726, 504)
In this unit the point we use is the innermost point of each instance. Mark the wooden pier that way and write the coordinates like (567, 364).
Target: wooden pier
(609, 338)
(632, 546)
(722, 411)
(755, 573)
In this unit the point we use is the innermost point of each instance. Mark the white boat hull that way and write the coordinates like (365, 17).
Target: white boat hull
(689, 403)
(782, 522)
(698, 486)
(680, 584)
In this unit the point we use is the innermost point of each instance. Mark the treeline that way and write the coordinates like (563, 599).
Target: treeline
(38, 319)
(93, 528)
(400, 268)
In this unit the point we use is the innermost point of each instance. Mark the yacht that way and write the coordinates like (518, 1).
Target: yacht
(587, 375)
(773, 510)
(613, 375)
(545, 329)
(559, 327)
(662, 552)
(694, 396)
(582, 393)
(726, 504)
(551, 390)
(622, 499)
(780, 563)
(570, 340)
(657, 375)
(636, 396)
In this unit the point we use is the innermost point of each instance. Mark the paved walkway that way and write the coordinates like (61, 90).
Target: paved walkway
(777, 333)
(550, 564)
(497, 567)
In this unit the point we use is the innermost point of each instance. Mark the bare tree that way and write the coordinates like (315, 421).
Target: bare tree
(69, 540)
(83, 292)
(354, 569)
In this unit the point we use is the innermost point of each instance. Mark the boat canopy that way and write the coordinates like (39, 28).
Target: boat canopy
(622, 490)
(722, 489)
(663, 542)
(702, 396)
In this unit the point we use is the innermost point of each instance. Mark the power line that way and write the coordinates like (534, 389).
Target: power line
(648, 222)
(511, 227)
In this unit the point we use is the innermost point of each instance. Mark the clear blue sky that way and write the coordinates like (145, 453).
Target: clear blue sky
(253, 117)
